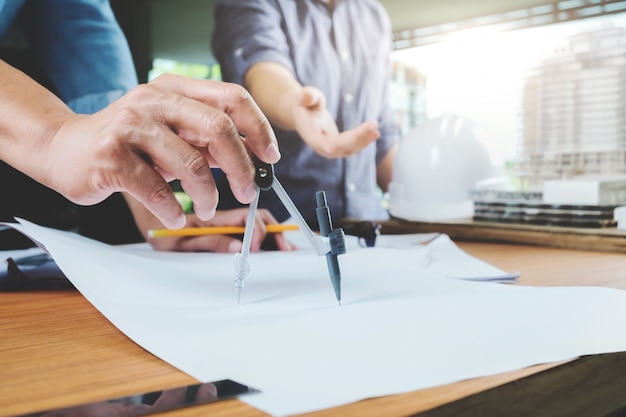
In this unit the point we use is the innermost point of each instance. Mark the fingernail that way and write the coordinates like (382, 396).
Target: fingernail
(234, 246)
(205, 215)
(179, 222)
(273, 152)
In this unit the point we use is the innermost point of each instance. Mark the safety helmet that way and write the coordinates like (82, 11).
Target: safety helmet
(436, 166)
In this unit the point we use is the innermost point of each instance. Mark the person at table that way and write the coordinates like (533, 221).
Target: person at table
(320, 71)
(94, 132)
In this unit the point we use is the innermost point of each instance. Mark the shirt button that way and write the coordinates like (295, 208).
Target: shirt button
(238, 52)
(348, 98)
(351, 187)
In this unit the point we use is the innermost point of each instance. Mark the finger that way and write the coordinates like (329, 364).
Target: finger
(353, 140)
(190, 166)
(220, 244)
(258, 235)
(207, 392)
(236, 102)
(160, 153)
(226, 148)
(204, 196)
(170, 397)
(175, 158)
(282, 243)
(166, 244)
(363, 134)
(215, 139)
(146, 185)
(327, 125)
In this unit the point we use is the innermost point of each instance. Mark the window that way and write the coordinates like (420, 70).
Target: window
(168, 66)
(551, 95)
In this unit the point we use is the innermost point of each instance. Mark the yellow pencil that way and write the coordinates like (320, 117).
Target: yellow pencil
(217, 230)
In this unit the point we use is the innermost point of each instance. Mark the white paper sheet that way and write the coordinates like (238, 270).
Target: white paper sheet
(447, 259)
(400, 327)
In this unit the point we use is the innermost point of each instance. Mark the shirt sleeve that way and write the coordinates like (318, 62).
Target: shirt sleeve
(247, 32)
(82, 50)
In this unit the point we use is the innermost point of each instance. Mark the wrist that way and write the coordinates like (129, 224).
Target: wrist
(44, 148)
(30, 116)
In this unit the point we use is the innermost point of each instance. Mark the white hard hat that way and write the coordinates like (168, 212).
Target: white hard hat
(436, 167)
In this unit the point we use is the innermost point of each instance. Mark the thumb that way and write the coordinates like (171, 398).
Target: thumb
(368, 129)
(312, 98)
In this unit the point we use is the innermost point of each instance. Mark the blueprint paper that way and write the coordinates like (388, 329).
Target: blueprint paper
(401, 327)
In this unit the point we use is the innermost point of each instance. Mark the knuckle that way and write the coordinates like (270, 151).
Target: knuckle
(220, 123)
(142, 92)
(236, 94)
(158, 193)
(107, 150)
(197, 165)
(127, 128)
(125, 118)
(164, 81)
(239, 97)
(117, 134)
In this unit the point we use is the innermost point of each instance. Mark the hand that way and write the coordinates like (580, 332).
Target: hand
(316, 127)
(173, 127)
(212, 243)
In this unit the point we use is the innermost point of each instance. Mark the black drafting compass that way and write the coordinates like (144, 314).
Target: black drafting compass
(330, 242)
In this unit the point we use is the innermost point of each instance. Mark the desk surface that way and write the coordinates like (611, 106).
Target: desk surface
(594, 239)
(56, 350)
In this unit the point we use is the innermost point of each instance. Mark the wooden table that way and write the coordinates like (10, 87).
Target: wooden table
(56, 350)
(608, 239)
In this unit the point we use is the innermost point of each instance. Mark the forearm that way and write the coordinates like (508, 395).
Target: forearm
(384, 169)
(29, 117)
(276, 91)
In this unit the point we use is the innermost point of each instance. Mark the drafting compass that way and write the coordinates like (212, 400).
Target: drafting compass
(330, 242)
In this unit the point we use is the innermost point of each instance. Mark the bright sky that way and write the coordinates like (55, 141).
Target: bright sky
(479, 74)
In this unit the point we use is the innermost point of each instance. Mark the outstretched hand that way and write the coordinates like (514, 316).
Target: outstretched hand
(318, 129)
